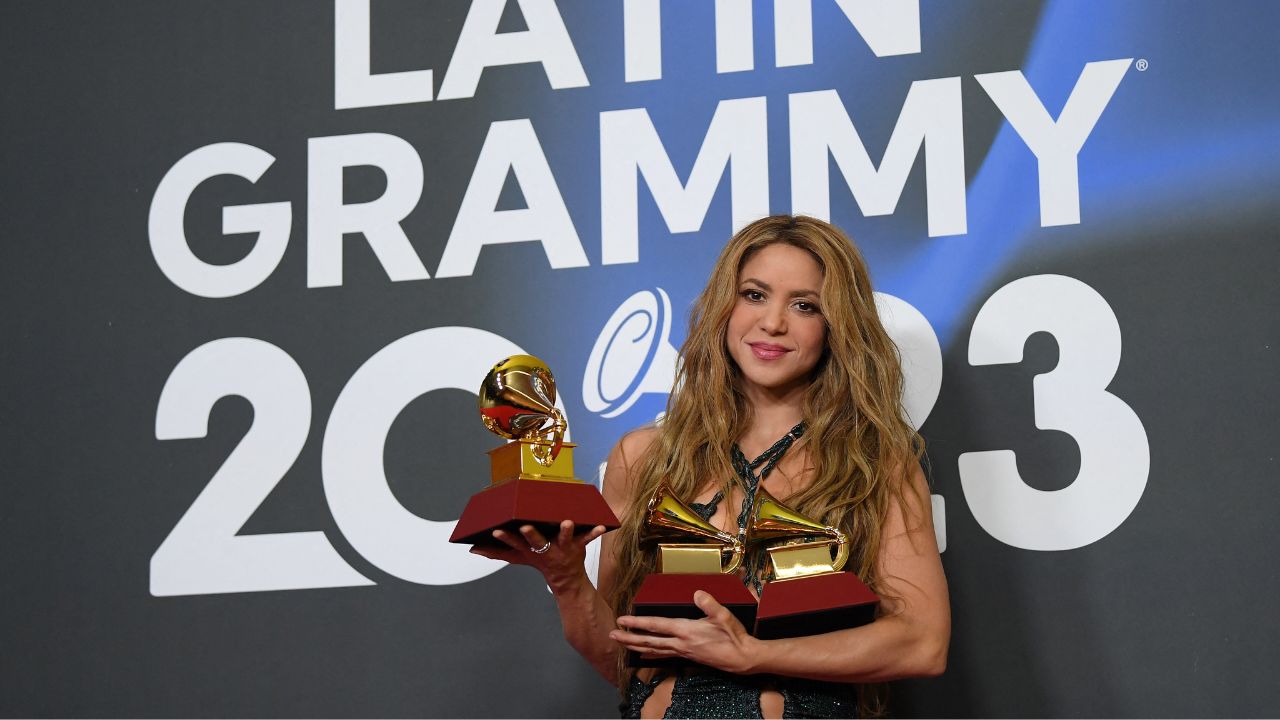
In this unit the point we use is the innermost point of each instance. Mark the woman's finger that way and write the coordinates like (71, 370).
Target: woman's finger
(591, 535)
(566, 533)
(534, 538)
(503, 554)
(653, 624)
(509, 540)
(643, 643)
(711, 608)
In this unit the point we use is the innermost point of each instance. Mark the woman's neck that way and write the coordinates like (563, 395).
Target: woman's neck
(771, 418)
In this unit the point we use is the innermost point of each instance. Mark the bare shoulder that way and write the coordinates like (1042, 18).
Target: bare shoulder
(914, 480)
(619, 476)
(633, 445)
(909, 480)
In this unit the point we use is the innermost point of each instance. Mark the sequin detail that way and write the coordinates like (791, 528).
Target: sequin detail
(714, 695)
(717, 694)
(638, 692)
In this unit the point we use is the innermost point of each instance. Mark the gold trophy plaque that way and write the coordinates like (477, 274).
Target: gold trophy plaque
(808, 593)
(690, 557)
(531, 478)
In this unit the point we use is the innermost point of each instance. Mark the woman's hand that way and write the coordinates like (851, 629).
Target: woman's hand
(718, 640)
(561, 561)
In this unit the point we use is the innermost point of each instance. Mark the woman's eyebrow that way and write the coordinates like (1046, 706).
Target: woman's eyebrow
(768, 288)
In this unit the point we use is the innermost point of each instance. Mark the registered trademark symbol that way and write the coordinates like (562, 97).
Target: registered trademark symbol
(1141, 65)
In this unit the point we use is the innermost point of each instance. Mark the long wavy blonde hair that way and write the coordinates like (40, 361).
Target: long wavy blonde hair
(858, 438)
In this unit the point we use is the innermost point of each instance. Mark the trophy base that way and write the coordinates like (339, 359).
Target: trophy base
(814, 604)
(671, 595)
(539, 503)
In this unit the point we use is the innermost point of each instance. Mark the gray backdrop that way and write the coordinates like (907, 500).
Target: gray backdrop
(1152, 595)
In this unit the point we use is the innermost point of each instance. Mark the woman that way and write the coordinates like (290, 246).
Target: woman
(788, 381)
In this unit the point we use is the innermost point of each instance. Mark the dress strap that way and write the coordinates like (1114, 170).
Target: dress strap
(638, 692)
(707, 509)
(747, 470)
(750, 478)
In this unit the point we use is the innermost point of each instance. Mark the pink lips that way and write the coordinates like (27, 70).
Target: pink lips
(767, 351)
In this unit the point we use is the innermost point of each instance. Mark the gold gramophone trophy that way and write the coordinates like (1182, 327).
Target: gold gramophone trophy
(531, 478)
(691, 556)
(808, 592)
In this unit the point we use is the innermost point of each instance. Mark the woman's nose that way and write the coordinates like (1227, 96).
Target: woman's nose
(774, 320)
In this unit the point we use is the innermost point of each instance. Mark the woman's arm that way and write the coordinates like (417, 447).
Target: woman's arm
(910, 639)
(585, 613)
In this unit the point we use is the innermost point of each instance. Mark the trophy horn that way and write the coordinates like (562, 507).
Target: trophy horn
(771, 520)
(667, 516)
(517, 399)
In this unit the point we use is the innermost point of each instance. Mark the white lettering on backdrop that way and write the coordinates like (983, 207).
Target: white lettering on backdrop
(480, 46)
(1115, 456)
(168, 212)
(203, 554)
(930, 122)
(329, 217)
(511, 146)
(630, 146)
(889, 27)
(931, 119)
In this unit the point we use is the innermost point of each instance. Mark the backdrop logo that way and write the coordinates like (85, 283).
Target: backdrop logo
(734, 151)
(632, 356)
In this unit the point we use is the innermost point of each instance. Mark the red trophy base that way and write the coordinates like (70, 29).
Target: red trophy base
(541, 503)
(671, 595)
(814, 604)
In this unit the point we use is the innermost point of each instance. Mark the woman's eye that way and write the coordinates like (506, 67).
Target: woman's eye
(807, 308)
(753, 295)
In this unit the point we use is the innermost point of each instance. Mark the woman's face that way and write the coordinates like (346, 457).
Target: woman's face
(776, 331)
